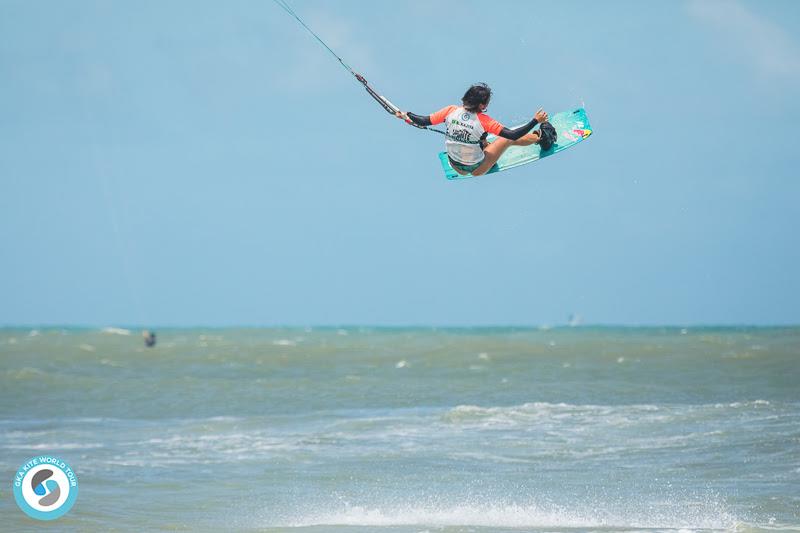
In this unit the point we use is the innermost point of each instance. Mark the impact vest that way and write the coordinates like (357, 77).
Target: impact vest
(464, 132)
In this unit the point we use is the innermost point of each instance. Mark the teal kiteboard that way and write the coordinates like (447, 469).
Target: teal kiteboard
(572, 127)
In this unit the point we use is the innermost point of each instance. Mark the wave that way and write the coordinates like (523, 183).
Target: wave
(55, 446)
(620, 414)
(116, 331)
(708, 515)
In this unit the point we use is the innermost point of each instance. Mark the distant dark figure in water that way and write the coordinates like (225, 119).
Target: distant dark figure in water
(149, 338)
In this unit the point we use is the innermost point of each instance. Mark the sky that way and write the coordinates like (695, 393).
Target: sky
(197, 163)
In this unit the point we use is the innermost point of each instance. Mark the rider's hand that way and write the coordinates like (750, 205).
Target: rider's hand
(402, 115)
(541, 116)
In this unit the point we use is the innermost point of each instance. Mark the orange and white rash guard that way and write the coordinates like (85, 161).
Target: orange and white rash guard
(465, 130)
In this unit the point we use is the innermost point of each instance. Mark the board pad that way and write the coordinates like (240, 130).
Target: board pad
(572, 127)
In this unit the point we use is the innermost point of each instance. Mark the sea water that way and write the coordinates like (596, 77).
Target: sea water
(363, 429)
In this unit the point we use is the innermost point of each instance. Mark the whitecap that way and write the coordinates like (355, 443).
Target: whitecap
(708, 516)
(55, 446)
(116, 331)
(284, 342)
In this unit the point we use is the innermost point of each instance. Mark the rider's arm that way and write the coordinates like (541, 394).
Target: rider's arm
(490, 125)
(420, 120)
(516, 133)
(426, 120)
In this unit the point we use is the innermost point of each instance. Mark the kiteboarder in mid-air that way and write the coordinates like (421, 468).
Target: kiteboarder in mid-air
(469, 149)
(467, 128)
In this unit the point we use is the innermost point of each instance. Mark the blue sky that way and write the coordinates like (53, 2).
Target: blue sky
(199, 163)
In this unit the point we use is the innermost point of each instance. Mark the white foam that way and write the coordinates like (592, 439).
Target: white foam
(116, 331)
(738, 405)
(556, 414)
(711, 516)
(284, 342)
(55, 446)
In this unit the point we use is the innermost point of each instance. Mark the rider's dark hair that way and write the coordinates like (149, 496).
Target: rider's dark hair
(477, 95)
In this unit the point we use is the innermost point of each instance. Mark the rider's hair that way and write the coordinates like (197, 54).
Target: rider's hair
(477, 95)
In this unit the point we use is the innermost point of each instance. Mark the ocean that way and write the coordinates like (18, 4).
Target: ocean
(409, 429)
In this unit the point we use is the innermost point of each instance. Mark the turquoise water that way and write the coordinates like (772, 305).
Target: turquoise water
(568, 429)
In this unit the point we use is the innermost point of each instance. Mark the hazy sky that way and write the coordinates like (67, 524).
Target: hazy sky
(207, 163)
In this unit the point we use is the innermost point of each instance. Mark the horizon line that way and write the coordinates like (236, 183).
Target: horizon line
(544, 326)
